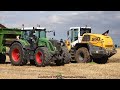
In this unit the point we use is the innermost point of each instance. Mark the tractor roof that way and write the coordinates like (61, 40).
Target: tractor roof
(28, 28)
(31, 28)
(40, 28)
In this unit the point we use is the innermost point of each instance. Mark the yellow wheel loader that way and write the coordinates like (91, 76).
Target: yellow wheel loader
(85, 46)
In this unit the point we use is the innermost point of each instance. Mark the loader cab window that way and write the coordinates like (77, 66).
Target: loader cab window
(86, 38)
(74, 35)
(84, 30)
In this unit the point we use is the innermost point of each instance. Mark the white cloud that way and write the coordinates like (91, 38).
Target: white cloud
(117, 17)
(54, 19)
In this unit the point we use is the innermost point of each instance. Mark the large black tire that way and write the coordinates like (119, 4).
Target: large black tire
(102, 60)
(2, 58)
(66, 55)
(42, 57)
(16, 54)
(59, 62)
(82, 55)
(25, 62)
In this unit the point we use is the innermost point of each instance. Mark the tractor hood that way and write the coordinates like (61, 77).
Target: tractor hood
(44, 39)
(46, 42)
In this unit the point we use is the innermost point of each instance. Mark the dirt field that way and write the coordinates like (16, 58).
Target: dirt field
(110, 70)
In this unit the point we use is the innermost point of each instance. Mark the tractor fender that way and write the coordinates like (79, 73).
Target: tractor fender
(22, 44)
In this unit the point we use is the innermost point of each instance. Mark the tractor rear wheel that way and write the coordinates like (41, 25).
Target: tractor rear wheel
(2, 58)
(16, 54)
(42, 57)
(82, 55)
(66, 55)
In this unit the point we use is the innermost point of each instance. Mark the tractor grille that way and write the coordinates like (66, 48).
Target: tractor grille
(108, 45)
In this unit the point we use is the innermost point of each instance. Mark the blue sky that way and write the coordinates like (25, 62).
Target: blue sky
(61, 21)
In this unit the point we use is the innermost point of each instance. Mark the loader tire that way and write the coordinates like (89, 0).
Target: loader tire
(102, 60)
(16, 54)
(42, 57)
(82, 55)
(66, 55)
(2, 58)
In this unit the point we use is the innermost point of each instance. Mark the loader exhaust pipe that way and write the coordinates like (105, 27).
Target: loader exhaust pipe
(106, 33)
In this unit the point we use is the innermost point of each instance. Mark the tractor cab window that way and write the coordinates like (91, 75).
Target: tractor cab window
(40, 33)
(43, 34)
(26, 34)
(84, 30)
(74, 34)
(37, 34)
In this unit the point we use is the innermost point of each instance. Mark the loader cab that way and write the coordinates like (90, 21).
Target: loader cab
(76, 33)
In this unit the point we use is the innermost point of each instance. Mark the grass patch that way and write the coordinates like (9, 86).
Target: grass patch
(92, 62)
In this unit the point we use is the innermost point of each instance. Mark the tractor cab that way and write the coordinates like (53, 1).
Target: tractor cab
(33, 33)
(28, 34)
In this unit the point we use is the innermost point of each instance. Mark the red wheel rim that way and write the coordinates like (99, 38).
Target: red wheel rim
(16, 55)
(39, 57)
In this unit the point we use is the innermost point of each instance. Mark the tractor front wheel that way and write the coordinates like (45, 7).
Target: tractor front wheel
(42, 57)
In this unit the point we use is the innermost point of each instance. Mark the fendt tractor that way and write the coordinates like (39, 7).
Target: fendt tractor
(33, 46)
(7, 36)
(85, 46)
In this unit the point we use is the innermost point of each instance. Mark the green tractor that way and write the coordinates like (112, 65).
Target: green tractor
(33, 46)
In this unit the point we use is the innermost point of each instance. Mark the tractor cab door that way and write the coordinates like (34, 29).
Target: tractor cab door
(25, 35)
(30, 37)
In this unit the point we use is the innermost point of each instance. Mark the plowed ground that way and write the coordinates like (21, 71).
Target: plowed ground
(110, 70)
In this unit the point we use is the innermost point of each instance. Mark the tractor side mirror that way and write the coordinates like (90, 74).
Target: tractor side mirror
(54, 33)
(67, 33)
